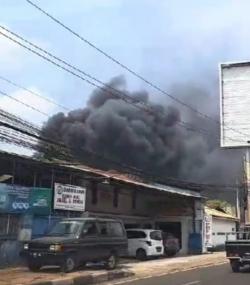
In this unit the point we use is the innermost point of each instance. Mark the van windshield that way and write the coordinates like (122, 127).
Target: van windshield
(66, 228)
(156, 235)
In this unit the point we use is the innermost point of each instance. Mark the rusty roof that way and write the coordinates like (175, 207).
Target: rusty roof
(113, 175)
(219, 214)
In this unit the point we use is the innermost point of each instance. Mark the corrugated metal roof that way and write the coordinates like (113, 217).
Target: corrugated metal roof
(216, 213)
(114, 175)
(127, 179)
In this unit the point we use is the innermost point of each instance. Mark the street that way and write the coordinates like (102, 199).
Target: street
(214, 275)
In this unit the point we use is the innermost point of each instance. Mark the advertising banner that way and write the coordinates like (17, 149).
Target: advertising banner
(208, 231)
(19, 199)
(69, 197)
(40, 201)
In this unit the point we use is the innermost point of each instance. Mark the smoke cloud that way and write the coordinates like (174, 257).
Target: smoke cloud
(155, 143)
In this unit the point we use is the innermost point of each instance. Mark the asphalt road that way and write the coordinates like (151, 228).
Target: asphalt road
(216, 275)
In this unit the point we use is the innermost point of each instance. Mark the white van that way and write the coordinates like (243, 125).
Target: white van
(144, 243)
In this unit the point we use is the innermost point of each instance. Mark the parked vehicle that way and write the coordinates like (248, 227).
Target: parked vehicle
(144, 243)
(73, 242)
(171, 244)
(238, 251)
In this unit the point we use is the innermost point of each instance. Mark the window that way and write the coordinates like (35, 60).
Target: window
(3, 224)
(115, 197)
(220, 234)
(156, 235)
(69, 228)
(233, 229)
(94, 191)
(89, 229)
(135, 234)
(9, 225)
(115, 229)
(103, 229)
(134, 199)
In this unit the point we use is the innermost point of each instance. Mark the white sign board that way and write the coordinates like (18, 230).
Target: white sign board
(235, 104)
(69, 197)
(208, 242)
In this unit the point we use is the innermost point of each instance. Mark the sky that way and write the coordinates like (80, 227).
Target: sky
(168, 41)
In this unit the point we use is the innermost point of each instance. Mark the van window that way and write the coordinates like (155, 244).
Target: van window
(115, 229)
(103, 228)
(135, 234)
(156, 235)
(65, 228)
(89, 229)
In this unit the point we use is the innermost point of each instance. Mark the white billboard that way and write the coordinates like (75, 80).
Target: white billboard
(235, 104)
(69, 197)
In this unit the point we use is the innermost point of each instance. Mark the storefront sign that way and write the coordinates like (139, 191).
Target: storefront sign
(40, 201)
(208, 231)
(69, 197)
(19, 199)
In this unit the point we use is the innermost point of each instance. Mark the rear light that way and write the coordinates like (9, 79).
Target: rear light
(233, 255)
(149, 243)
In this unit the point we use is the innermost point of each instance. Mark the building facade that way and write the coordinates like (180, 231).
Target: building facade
(30, 186)
(220, 228)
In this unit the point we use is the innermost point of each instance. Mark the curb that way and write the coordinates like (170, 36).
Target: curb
(88, 279)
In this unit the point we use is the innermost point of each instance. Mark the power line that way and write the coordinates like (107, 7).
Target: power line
(25, 104)
(118, 93)
(135, 171)
(127, 68)
(125, 97)
(34, 93)
(17, 120)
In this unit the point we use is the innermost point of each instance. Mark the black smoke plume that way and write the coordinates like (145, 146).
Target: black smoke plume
(156, 143)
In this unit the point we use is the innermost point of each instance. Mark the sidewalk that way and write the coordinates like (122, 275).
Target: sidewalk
(176, 264)
(94, 275)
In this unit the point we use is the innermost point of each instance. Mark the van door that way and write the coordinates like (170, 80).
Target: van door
(118, 237)
(88, 242)
(103, 241)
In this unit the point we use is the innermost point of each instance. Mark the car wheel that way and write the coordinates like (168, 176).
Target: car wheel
(141, 254)
(33, 266)
(68, 265)
(111, 262)
(235, 265)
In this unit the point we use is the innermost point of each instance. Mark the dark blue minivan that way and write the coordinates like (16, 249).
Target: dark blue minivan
(75, 241)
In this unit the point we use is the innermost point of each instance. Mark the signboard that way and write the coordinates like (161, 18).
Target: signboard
(19, 199)
(208, 231)
(69, 197)
(235, 104)
(40, 201)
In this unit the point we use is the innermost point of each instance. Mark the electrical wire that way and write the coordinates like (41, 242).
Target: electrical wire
(135, 171)
(110, 57)
(125, 97)
(34, 93)
(17, 120)
(25, 104)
